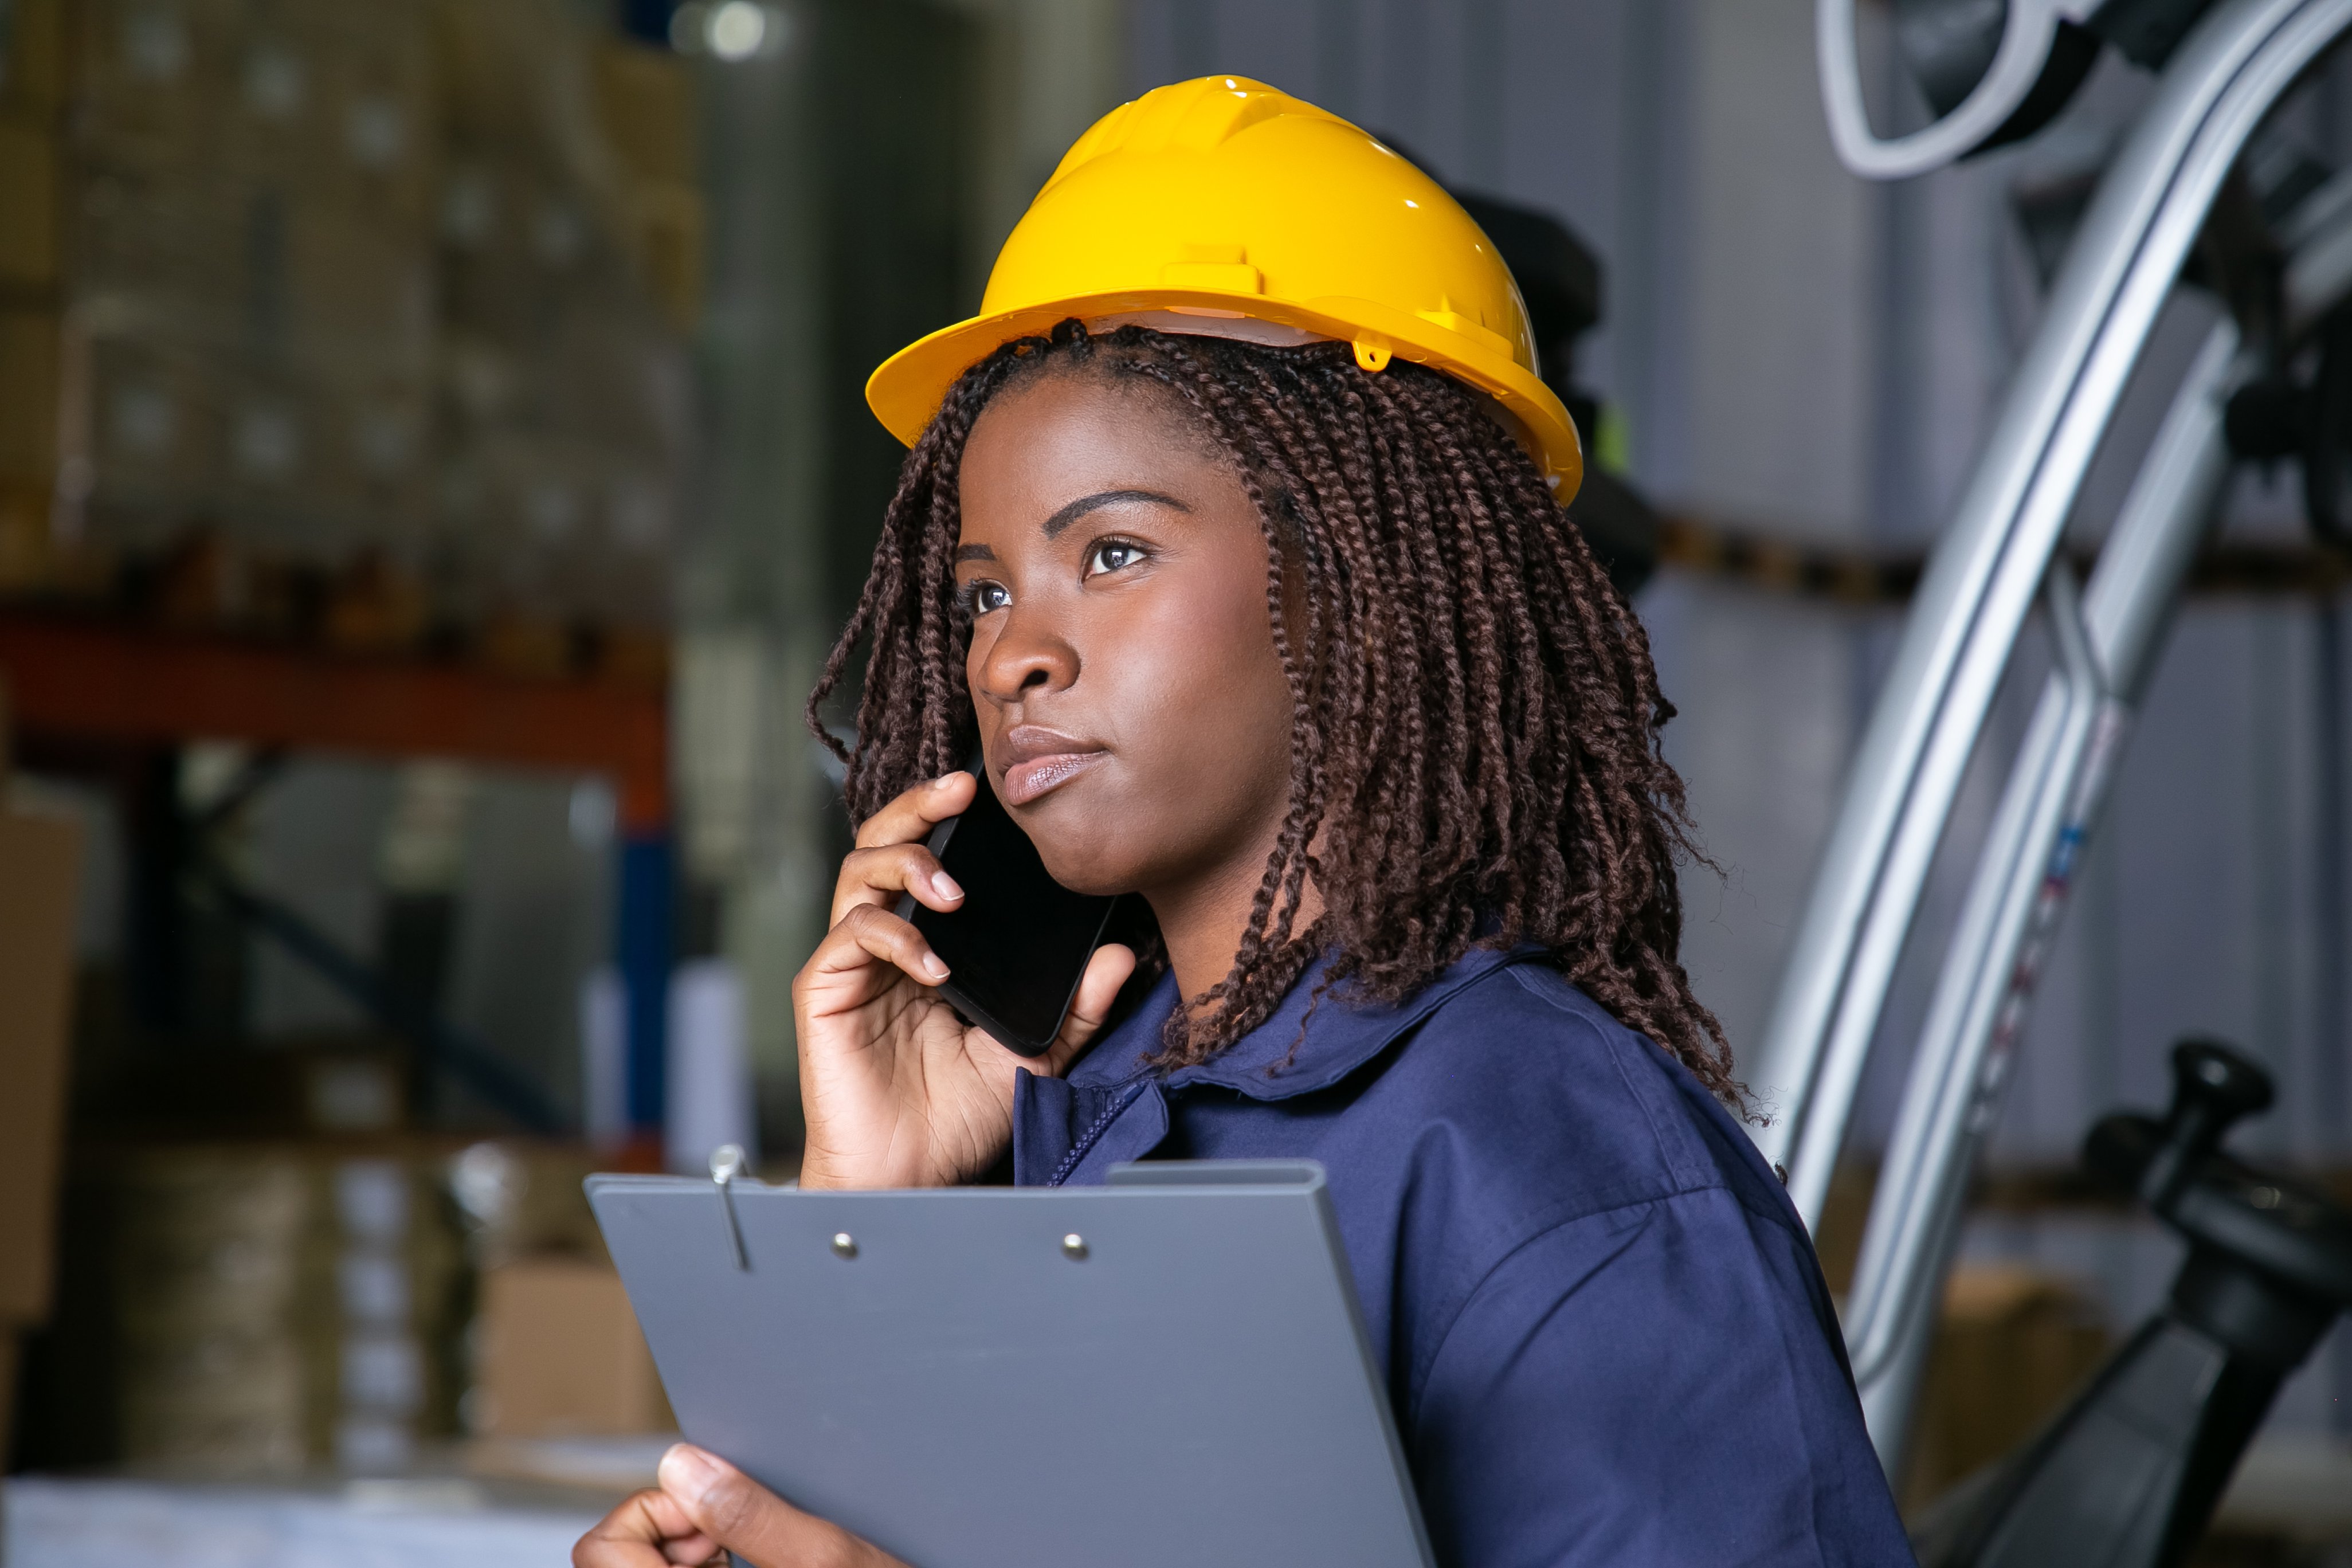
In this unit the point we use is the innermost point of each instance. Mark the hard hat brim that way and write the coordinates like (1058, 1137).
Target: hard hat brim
(906, 391)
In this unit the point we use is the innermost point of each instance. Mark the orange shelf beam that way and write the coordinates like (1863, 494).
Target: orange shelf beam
(89, 677)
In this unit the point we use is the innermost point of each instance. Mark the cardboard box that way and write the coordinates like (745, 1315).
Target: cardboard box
(2013, 1345)
(40, 867)
(520, 247)
(351, 293)
(645, 107)
(374, 606)
(269, 457)
(334, 102)
(645, 100)
(498, 66)
(28, 196)
(30, 364)
(154, 423)
(331, 102)
(167, 256)
(33, 66)
(667, 238)
(559, 1354)
(148, 76)
(30, 559)
(235, 1400)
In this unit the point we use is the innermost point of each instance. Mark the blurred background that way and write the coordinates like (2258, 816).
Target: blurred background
(433, 465)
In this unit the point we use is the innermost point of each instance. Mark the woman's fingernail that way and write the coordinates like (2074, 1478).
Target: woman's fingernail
(945, 886)
(946, 779)
(686, 1471)
(934, 968)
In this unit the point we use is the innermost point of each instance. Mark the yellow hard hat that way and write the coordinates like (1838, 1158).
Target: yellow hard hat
(1225, 206)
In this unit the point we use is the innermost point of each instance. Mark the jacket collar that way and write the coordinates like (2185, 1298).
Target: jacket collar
(1341, 1035)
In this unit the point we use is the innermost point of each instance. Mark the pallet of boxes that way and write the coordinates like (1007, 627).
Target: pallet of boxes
(360, 325)
(280, 1305)
(272, 1306)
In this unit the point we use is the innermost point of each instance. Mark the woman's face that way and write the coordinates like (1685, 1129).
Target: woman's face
(1133, 710)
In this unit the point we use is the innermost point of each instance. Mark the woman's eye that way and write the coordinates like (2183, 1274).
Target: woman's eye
(985, 597)
(1112, 555)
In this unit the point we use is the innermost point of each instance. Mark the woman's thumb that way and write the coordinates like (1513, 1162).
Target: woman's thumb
(751, 1522)
(1107, 971)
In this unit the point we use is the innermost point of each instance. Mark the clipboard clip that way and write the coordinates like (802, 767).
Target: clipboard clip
(726, 1165)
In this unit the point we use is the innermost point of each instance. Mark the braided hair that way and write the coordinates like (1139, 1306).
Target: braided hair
(1474, 747)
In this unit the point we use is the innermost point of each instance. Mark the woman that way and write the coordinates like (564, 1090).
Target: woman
(1256, 594)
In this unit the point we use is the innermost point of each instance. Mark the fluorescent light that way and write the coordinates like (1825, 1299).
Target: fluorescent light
(738, 30)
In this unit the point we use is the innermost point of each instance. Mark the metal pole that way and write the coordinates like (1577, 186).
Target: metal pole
(2328, 696)
(2057, 788)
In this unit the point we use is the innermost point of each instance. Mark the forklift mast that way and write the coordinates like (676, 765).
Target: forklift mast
(2001, 68)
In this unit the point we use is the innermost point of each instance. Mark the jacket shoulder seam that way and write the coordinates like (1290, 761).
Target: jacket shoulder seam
(1675, 1154)
(1542, 1232)
(1502, 1260)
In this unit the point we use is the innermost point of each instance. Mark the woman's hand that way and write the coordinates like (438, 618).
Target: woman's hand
(899, 1091)
(705, 1506)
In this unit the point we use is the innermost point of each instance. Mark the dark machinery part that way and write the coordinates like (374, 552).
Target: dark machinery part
(2129, 1474)
(2238, 256)
(2326, 433)
(1560, 279)
(1558, 275)
(1618, 525)
(2300, 406)
(2282, 415)
(1947, 46)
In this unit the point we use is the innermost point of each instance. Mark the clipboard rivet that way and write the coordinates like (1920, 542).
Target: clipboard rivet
(1073, 1246)
(845, 1245)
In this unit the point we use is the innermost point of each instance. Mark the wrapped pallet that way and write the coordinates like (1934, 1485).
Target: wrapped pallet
(247, 276)
(564, 386)
(279, 1306)
(211, 1260)
(307, 276)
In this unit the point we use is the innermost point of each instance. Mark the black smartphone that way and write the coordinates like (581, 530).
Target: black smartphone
(1018, 944)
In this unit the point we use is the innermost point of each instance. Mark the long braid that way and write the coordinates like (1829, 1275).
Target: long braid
(1473, 754)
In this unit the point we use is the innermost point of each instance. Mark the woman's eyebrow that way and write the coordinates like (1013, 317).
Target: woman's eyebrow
(974, 552)
(1077, 508)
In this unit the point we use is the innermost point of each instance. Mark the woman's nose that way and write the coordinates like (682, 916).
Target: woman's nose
(1025, 659)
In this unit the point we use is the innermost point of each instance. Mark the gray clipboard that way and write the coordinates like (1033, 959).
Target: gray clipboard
(1167, 1372)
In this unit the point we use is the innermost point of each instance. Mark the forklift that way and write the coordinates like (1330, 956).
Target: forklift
(2198, 195)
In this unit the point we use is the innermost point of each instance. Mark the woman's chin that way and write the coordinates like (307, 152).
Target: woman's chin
(1096, 874)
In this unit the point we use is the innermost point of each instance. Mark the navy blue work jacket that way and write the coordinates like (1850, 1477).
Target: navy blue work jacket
(1606, 1337)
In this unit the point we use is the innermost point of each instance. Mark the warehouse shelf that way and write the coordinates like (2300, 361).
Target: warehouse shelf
(1762, 557)
(100, 678)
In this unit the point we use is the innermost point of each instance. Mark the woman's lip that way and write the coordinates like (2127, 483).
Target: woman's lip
(1027, 779)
